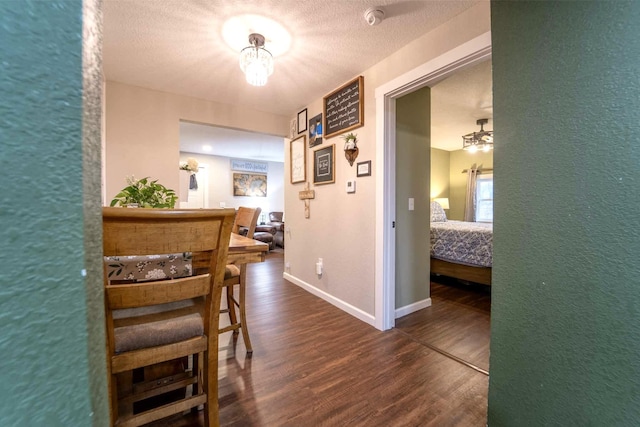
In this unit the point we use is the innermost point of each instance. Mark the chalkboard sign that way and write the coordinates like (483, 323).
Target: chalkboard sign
(344, 108)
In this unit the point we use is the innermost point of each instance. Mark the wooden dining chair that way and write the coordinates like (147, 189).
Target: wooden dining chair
(246, 218)
(163, 317)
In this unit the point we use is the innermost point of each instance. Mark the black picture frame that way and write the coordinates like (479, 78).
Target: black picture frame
(302, 121)
(315, 131)
(324, 165)
(344, 108)
(363, 168)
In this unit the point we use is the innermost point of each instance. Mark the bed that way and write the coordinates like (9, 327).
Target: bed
(462, 250)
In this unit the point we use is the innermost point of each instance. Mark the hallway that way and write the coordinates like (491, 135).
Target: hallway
(316, 365)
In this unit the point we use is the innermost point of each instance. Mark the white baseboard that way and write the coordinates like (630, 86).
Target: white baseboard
(346, 307)
(408, 309)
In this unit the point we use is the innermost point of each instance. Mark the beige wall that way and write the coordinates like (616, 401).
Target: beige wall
(439, 173)
(460, 160)
(447, 179)
(143, 132)
(413, 142)
(342, 226)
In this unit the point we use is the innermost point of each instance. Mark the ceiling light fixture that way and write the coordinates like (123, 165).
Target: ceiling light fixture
(256, 62)
(482, 140)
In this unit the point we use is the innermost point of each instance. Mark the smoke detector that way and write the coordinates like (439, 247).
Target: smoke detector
(374, 15)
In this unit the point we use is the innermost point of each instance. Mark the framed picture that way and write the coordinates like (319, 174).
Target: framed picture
(302, 121)
(315, 131)
(298, 155)
(293, 128)
(344, 108)
(324, 165)
(363, 168)
(248, 184)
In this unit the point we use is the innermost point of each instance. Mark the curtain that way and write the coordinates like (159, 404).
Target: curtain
(470, 200)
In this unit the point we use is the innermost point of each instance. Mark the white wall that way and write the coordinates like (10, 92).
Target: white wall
(341, 229)
(221, 184)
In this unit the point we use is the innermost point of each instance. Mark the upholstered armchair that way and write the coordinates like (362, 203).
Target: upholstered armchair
(276, 219)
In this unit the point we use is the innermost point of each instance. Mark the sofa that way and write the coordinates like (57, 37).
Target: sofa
(276, 220)
(265, 233)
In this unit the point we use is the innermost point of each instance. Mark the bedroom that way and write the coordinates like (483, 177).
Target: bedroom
(461, 178)
(458, 322)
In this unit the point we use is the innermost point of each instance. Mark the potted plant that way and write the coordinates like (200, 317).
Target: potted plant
(350, 147)
(145, 193)
(350, 141)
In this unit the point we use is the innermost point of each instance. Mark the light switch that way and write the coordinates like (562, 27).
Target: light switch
(411, 203)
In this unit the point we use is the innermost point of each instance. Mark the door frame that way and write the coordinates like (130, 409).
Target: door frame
(427, 74)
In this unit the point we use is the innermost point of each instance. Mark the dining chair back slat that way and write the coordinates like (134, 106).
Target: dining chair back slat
(157, 320)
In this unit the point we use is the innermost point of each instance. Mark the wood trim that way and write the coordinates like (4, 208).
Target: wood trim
(460, 271)
(138, 358)
(164, 411)
(152, 293)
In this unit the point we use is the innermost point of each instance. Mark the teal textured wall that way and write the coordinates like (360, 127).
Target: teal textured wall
(413, 159)
(566, 278)
(49, 362)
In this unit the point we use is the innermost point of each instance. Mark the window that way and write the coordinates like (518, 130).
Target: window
(484, 198)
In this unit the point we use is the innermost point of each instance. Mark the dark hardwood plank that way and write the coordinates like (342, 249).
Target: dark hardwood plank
(316, 365)
(458, 321)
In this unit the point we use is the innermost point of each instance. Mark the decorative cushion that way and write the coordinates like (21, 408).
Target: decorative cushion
(437, 213)
(148, 267)
(155, 325)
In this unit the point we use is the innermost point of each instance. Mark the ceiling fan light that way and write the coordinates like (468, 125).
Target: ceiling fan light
(481, 140)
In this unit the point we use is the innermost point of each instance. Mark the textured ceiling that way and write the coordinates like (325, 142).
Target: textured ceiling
(177, 45)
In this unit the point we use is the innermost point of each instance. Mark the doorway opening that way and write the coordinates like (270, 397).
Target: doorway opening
(430, 73)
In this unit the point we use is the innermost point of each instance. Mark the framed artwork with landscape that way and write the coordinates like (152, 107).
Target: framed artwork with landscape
(249, 184)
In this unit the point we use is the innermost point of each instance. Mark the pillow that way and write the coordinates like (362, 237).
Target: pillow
(437, 213)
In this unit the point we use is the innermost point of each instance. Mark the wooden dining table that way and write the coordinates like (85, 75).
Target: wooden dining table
(244, 250)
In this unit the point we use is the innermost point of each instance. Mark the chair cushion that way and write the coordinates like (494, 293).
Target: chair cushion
(149, 267)
(231, 270)
(152, 326)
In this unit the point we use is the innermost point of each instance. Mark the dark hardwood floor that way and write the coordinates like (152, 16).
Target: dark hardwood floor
(314, 365)
(457, 323)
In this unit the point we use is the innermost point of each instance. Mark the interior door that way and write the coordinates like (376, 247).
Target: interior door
(413, 159)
